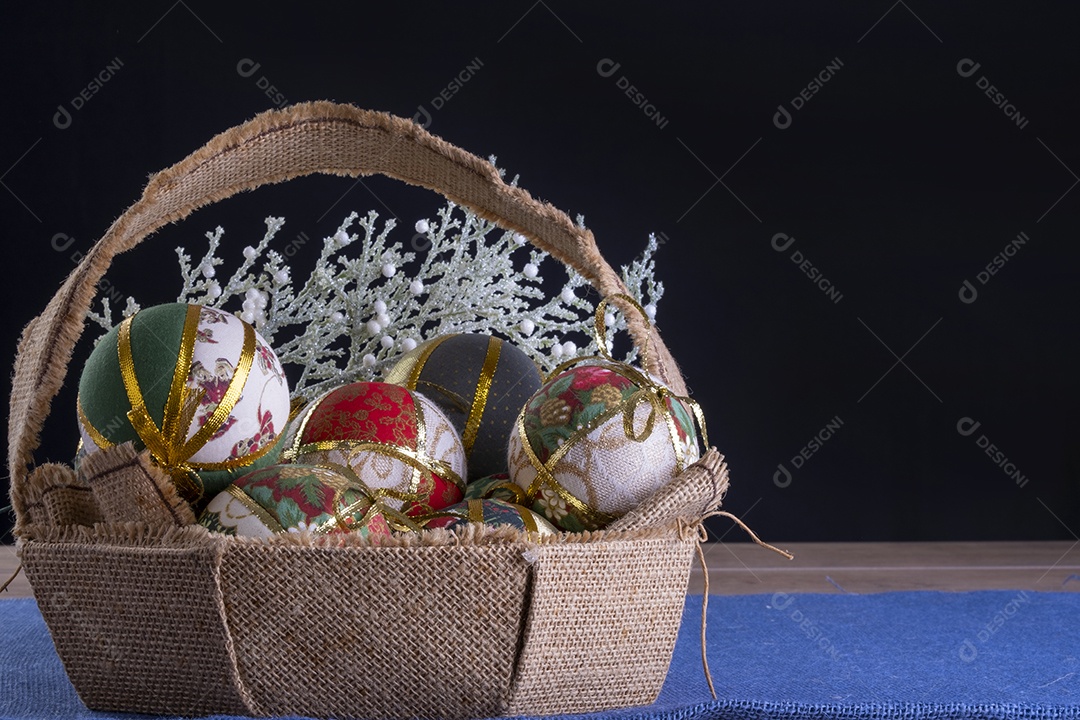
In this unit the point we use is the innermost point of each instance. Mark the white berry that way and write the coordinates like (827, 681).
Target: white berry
(416, 287)
(369, 360)
(408, 344)
(569, 348)
(248, 317)
(337, 317)
(388, 270)
(341, 238)
(207, 271)
(380, 307)
(530, 271)
(557, 351)
(374, 327)
(650, 310)
(249, 252)
(526, 326)
(214, 290)
(609, 319)
(383, 319)
(281, 276)
(387, 342)
(520, 239)
(567, 295)
(422, 227)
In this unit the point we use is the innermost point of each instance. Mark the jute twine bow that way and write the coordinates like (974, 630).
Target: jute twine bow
(686, 532)
(649, 391)
(169, 445)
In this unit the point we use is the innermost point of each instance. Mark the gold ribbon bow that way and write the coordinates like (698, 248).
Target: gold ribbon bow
(650, 391)
(416, 458)
(169, 445)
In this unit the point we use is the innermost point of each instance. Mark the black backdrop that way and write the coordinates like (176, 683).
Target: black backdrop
(825, 178)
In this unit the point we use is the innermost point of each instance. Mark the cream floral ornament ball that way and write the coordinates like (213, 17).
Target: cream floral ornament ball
(600, 439)
(197, 386)
(394, 440)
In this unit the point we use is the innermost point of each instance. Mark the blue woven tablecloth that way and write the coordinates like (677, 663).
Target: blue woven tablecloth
(894, 655)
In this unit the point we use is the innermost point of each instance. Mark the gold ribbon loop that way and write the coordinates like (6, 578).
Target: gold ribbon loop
(649, 391)
(169, 445)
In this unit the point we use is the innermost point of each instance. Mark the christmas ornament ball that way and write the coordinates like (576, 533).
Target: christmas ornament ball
(497, 487)
(397, 442)
(480, 382)
(197, 386)
(601, 438)
(493, 513)
(293, 498)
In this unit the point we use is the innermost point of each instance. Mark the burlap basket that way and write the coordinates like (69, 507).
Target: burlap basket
(158, 616)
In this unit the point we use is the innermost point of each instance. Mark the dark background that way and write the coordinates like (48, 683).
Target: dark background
(899, 180)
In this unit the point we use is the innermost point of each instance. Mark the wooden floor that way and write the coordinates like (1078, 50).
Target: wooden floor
(744, 568)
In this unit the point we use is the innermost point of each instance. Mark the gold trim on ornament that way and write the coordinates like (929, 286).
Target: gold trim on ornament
(480, 397)
(169, 447)
(649, 391)
(418, 461)
(271, 522)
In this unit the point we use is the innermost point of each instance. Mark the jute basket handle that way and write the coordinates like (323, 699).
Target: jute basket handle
(317, 137)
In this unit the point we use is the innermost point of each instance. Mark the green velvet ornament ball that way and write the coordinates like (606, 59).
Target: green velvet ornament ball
(196, 386)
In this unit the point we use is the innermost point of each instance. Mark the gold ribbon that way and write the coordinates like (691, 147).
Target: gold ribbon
(410, 378)
(416, 458)
(475, 514)
(480, 397)
(169, 445)
(352, 481)
(650, 392)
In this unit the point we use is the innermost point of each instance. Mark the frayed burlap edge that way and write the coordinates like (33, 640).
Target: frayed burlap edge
(142, 534)
(128, 486)
(53, 495)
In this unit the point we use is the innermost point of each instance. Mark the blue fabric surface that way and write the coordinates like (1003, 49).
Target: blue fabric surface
(894, 655)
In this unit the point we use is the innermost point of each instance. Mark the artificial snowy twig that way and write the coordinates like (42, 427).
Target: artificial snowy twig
(360, 309)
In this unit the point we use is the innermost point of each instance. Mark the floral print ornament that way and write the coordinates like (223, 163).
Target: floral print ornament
(295, 498)
(396, 440)
(599, 438)
(164, 379)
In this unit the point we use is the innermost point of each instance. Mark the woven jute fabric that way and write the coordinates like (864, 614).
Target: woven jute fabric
(152, 615)
(139, 627)
(602, 625)
(376, 632)
(53, 495)
(127, 486)
(700, 489)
